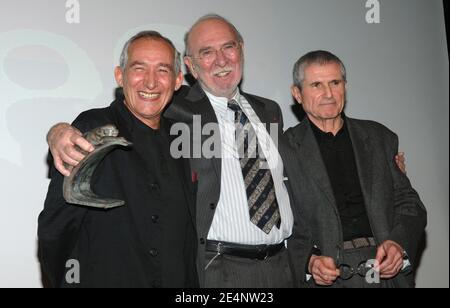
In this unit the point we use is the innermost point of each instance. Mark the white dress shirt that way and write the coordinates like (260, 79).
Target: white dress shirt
(231, 221)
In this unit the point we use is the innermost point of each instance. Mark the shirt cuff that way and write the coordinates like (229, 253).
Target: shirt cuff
(406, 263)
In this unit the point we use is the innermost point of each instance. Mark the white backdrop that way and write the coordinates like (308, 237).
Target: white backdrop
(56, 61)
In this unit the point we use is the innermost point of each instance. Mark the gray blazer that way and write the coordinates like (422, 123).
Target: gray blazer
(207, 171)
(393, 206)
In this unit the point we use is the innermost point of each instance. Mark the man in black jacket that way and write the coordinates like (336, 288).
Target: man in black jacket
(151, 240)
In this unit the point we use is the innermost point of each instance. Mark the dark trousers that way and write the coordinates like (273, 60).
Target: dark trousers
(234, 272)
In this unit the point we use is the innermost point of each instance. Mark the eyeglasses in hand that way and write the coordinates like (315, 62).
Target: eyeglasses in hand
(348, 271)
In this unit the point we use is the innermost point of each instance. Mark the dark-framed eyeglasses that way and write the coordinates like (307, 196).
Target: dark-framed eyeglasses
(347, 271)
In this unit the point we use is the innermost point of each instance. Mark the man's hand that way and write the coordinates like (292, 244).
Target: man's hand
(390, 258)
(323, 270)
(62, 139)
(400, 160)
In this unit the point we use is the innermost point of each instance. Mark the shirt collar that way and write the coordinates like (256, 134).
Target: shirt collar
(131, 121)
(321, 135)
(221, 103)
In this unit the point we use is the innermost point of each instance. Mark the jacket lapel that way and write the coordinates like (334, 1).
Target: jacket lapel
(364, 159)
(311, 160)
(199, 105)
(264, 113)
(190, 103)
(258, 107)
(206, 173)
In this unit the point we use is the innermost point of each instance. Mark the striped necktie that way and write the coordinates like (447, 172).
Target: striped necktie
(262, 201)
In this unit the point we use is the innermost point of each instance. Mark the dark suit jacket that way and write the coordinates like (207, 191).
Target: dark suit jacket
(148, 242)
(207, 172)
(393, 206)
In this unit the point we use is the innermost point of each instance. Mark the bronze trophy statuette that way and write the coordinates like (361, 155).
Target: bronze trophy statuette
(77, 186)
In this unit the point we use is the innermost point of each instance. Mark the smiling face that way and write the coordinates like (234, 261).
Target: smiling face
(149, 79)
(323, 92)
(222, 74)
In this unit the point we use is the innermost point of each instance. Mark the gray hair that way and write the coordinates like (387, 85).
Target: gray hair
(153, 35)
(320, 57)
(211, 17)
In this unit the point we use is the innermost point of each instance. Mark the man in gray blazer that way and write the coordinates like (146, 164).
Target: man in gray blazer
(365, 220)
(244, 215)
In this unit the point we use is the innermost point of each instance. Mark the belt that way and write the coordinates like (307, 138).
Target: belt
(258, 252)
(359, 243)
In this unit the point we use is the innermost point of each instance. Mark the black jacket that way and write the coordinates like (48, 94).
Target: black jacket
(148, 242)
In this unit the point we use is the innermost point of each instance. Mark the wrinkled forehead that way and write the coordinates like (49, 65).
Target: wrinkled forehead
(323, 70)
(151, 47)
